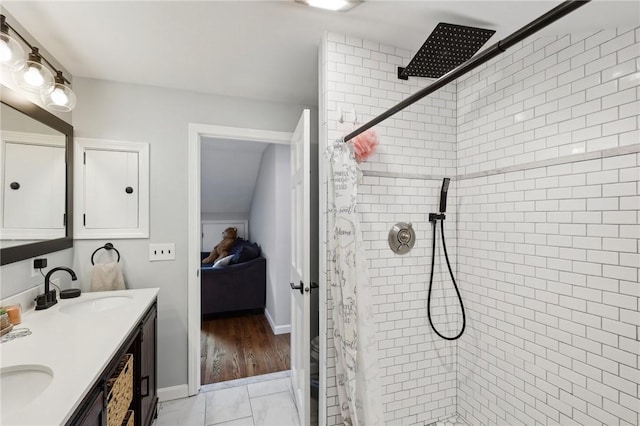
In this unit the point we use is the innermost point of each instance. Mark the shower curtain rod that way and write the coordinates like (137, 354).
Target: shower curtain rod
(534, 26)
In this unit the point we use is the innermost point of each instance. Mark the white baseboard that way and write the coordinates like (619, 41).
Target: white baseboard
(277, 329)
(173, 392)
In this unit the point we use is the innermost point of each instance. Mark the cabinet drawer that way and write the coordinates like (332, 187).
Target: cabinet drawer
(120, 391)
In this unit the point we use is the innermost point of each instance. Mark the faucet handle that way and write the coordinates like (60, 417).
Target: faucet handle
(46, 300)
(41, 301)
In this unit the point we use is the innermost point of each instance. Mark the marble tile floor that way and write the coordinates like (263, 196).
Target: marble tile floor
(265, 400)
(255, 401)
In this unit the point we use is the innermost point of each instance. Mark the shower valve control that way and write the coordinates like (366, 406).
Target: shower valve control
(402, 238)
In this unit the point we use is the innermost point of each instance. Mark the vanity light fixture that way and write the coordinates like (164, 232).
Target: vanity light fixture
(11, 53)
(333, 5)
(61, 98)
(34, 74)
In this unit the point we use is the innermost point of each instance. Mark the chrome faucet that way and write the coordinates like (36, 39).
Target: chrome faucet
(48, 299)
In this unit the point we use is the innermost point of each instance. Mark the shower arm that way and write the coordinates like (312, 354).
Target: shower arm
(550, 17)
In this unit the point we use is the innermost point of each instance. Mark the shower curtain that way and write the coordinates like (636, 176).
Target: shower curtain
(353, 323)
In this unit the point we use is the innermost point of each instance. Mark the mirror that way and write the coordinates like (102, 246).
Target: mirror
(35, 180)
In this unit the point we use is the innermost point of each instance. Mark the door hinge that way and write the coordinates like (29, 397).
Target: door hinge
(64, 219)
(84, 158)
(84, 219)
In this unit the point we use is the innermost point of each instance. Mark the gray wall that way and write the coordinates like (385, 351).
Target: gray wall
(269, 226)
(224, 216)
(160, 117)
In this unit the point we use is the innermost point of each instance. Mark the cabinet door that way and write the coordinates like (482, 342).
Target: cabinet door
(111, 192)
(95, 413)
(34, 190)
(111, 189)
(148, 369)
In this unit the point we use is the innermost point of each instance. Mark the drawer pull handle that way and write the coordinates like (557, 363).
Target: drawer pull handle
(146, 379)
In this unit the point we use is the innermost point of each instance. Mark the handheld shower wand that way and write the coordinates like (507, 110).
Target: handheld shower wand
(443, 194)
(435, 217)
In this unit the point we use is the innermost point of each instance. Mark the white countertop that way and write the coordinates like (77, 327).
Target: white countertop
(76, 346)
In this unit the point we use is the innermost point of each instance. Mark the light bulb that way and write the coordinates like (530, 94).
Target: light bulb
(5, 52)
(59, 97)
(33, 76)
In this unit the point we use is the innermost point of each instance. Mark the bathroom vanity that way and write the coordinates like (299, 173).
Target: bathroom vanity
(59, 374)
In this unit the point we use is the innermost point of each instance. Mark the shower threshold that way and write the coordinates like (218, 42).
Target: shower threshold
(455, 420)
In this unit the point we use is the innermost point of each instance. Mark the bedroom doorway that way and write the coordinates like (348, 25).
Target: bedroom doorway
(316, 347)
(245, 224)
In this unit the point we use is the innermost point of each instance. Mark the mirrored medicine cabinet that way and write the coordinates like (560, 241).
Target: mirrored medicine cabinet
(36, 180)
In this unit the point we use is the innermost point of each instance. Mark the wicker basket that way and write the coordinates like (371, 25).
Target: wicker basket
(120, 391)
(128, 419)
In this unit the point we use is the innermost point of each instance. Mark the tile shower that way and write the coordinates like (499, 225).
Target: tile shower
(542, 228)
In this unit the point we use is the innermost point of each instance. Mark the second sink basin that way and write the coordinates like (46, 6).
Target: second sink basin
(96, 305)
(21, 384)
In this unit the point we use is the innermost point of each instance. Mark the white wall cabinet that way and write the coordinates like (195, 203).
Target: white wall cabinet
(112, 189)
(34, 185)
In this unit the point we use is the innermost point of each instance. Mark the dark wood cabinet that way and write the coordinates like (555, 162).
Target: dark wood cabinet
(94, 414)
(142, 343)
(148, 369)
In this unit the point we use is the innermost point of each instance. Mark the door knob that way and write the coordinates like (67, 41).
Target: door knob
(128, 190)
(298, 287)
(14, 185)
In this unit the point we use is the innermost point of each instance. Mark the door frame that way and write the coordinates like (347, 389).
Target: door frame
(196, 132)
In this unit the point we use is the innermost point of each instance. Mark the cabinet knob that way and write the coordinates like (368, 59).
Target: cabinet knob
(128, 190)
(14, 185)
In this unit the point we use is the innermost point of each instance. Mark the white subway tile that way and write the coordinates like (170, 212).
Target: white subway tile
(619, 98)
(584, 57)
(629, 52)
(599, 38)
(547, 258)
(602, 143)
(600, 64)
(620, 272)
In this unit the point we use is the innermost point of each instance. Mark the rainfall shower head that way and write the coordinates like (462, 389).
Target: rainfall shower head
(448, 46)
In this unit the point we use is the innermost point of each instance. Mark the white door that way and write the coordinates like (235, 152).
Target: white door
(300, 265)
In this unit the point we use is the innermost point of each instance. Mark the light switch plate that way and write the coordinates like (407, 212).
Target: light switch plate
(163, 251)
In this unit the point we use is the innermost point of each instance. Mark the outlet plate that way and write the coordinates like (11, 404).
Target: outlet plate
(35, 272)
(163, 251)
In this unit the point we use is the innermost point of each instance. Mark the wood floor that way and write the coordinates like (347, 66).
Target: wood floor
(241, 346)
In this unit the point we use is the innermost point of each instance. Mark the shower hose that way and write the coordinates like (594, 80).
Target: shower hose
(433, 259)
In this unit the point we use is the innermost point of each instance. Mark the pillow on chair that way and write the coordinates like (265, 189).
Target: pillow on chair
(247, 252)
(223, 262)
(237, 244)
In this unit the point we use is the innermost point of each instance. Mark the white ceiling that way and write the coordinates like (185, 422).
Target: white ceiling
(228, 173)
(261, 49)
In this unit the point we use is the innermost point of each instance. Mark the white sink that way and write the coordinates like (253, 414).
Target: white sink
(21, 384)
(96, 305)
